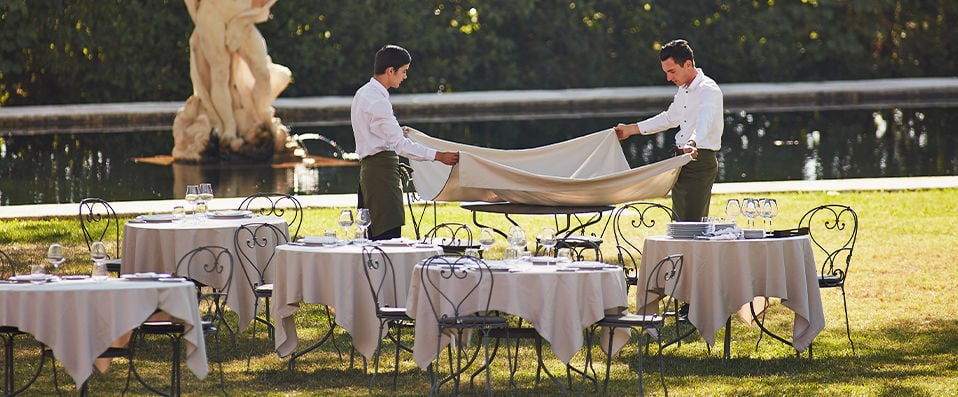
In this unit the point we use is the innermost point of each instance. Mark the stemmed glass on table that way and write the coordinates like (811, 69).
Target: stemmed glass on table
(487, 239)
(750, 209)
(733, 209)
(99, 256)
(206, 193)
(363, 221)
(55, 255)
(517, 239)
(346, 221)
(769, 210)
(192, 195)
(547, 238)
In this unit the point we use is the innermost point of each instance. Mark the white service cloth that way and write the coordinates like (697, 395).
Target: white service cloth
(589, 170)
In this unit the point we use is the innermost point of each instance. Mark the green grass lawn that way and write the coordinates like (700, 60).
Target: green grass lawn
(901, 292)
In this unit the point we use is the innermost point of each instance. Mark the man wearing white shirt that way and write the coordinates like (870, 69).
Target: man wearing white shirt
(697, 110)
(380, 141)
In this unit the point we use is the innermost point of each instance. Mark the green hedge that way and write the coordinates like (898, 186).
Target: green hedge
(88, 51)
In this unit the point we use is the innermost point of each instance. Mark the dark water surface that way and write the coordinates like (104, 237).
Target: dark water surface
(67, 167)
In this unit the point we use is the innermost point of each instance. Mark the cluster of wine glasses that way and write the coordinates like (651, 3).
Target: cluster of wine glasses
(199, 197)
(362, 222)
(766, 208)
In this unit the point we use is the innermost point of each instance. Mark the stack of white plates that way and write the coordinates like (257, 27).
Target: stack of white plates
(687, 229)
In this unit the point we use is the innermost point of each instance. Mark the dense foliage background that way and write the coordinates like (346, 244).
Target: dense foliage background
(88, 51)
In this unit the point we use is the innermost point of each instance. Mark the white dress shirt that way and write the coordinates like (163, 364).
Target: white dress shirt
(696, 110)
(375, 127)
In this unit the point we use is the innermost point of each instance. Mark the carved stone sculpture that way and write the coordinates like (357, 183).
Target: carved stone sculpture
(234, 85)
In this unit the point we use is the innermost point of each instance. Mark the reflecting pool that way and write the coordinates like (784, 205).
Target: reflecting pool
(65, 168)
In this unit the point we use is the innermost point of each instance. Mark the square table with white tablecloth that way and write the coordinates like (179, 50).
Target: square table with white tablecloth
(80, 319)
(559, 304)
(158, 246)
(334, 276)
(721, 277)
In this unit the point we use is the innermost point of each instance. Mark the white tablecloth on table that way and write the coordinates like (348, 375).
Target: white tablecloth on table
(79, 320)
(157, 247)
(721, 277)
(334, 276)
(560, 305)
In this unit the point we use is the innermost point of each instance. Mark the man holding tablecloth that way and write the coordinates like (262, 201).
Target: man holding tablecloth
(380, 141)
(697, 111)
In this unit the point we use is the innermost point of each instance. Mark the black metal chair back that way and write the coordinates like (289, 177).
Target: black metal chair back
(449, 284)
(381, 277)
(413, 198)
(453, 237)
(631, 224)
(7, 267)
(99, 222)
(583, 249)
(210, 268)
(277, 204)
(255, 248)
(833, 229)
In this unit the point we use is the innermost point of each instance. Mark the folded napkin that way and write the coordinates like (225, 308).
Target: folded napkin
(728, 233)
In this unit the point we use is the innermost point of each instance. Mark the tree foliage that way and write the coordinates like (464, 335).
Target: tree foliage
(89, 51)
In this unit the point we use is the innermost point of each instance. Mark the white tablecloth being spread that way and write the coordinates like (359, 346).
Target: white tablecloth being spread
(559, 304)
(334, 276)
(588, 170)
(157, 247)
(79, 320)
(722, 277)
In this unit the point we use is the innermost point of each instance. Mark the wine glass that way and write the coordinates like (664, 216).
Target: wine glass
(99, 256)
(763, 210)
(345, 221)
(517, 238)
(750, 209)
(547, 238)
(771, 210)
(487, 238)
(362, 221)
(192, 194)
(733, 209)
(205, 193)
(55, 255)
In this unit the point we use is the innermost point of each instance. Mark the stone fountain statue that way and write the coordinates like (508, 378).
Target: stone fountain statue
(234, 85)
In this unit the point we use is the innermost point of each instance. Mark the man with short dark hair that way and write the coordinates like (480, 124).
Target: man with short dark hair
(380, 141)
(697, 110)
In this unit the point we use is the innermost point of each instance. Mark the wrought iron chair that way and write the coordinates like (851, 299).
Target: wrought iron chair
(277, 204)
(453, 237)
(210, 268)
(413, 197)
(99, 222)
(381, 276)
(456, 288)
(255, 248)
(631, 223)
(833, 229)
(664, 276)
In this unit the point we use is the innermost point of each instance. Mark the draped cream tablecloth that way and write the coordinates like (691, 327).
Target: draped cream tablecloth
(79, 320)
(721, 277)
(334, 276)
(559, 304)
(589, 170)
(157, 247)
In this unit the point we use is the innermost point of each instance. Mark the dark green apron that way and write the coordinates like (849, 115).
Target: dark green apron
(692, 192)
(380, 190)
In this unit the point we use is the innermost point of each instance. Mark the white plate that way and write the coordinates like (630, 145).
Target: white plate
(156, 218)
(319, 240)
(231, 214)
(543, 260)
(396, 242)
(76, 277)
(590, 266)
(148, 276)
(172, 279)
